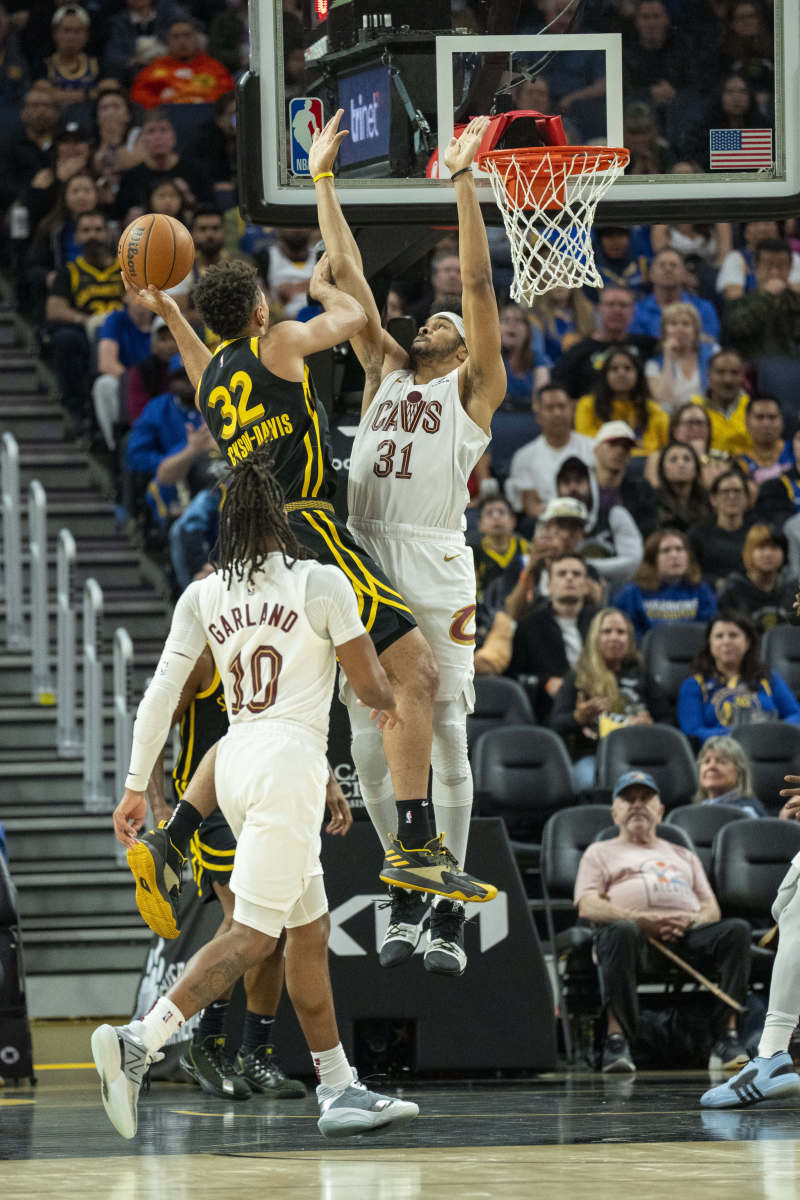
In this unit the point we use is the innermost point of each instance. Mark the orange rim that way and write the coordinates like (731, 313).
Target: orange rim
(578, 159)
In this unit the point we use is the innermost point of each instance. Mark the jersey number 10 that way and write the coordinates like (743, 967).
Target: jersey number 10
(263, 657)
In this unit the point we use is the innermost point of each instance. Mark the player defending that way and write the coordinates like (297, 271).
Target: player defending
(254, 390)
(425, 422)
(275, 625)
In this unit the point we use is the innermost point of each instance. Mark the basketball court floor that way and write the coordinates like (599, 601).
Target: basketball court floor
(575, 1135)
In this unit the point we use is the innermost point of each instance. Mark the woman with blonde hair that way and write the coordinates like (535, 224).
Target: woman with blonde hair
(606, 689)
(723, 771)
(680, 370)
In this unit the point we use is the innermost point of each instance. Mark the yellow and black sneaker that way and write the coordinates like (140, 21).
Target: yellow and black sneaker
(432, 869)
(156, 865)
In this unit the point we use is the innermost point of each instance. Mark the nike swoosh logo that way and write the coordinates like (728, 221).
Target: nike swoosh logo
(450, 557)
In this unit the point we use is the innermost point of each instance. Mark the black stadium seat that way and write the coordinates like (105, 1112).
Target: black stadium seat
(668, 650)
(498, 701)
(703, 822)
(522, 773)
(774, 751)
(660, 750)
(780, 650)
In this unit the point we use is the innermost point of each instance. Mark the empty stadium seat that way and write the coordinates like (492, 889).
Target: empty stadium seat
(660, 750)
(498, 701)
(774, 751)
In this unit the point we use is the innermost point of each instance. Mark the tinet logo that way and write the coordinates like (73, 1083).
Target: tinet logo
(364, 119)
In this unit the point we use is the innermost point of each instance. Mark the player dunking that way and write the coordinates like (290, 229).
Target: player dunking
(255, 390)
(425, 422)
(275, 624)
(202, 719)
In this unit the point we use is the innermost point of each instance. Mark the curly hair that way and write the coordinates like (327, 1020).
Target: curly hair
(253, 521)
(226, 296)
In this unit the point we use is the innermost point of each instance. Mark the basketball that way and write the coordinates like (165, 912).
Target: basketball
(155, 250)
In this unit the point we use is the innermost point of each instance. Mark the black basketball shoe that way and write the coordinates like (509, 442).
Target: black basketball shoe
(262, 1072)
(207, 1065)
(406, 920)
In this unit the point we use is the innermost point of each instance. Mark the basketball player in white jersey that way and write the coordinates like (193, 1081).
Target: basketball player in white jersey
(275, 625)
(425, 422)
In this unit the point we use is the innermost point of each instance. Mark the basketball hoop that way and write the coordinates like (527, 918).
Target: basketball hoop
(548, 196)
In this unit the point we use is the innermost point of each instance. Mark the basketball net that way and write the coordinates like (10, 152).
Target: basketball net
(548, 197)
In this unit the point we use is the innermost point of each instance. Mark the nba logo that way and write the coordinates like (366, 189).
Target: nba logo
(305, 115)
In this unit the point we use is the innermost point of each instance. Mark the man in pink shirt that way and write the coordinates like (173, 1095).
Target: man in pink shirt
(637, 885)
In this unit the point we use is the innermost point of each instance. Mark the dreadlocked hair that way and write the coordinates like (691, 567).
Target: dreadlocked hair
(226, 296)
(252, 520)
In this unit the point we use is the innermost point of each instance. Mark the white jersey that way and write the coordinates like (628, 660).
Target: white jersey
(273, 645)
(413, 454)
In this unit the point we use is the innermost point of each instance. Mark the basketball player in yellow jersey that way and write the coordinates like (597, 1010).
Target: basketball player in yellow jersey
(425, 422)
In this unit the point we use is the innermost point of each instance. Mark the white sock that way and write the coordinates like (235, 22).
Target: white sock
(158, 1026)
(452, 807)
(777, 1031)
(332, 1068)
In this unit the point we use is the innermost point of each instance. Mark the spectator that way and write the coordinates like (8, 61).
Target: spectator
(136, 37)
(767, 320)
(638, 886)
(618, 258)
(117, 138)
(779, 499)
(83, 292)
(159, 161)
(709, 243)
(681, 498)
(171, 444)
(749, 49)
(532, 475)
(764, 590)
(71, 157)
(229, 36)
(689, 425)
(729, 685)
(289, 264)
(718, 544)
(14, 76)
(559, 530)
(193, 535)
(611, 541)
(737, 274)
(167, 196)
(548, 640)
(770, 455)
(724, 775)
(27, 149)
(443, 294)
(667, 586)
(216, 144)
(150, 377)
(566, 317)
(617, 485)
(668, 277)
(621, 395)
(725, 401)
(608, 688)
(500, 554)
(72, 72)
(659, 65)
(578, 369)
(650, 152)
(680, 370)
(735, 107)
(123, 340)
(184, 75)
(527, 365)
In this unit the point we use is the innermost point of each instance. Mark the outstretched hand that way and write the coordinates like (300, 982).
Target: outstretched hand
(325, 144)
(460, 151)
(157, 301)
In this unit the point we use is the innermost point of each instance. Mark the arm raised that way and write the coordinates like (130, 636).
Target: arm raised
(484, 373)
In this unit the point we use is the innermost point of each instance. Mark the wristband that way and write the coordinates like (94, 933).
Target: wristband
(323, 175)
(463, 171)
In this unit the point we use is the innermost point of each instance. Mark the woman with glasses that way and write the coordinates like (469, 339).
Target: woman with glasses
(718, 544)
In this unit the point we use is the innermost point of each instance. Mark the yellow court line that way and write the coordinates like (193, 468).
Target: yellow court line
(63, 1066)
(10, 1103)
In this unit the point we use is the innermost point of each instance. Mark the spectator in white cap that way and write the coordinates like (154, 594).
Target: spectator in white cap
(531, 479)
(72, 72)
(621, 394)
(613, 446)
(636, 886)
(611, 539)
(559, 530)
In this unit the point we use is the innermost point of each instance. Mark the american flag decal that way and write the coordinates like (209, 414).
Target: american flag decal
(739, 149)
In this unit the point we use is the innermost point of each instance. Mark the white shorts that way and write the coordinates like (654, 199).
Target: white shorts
(270, 783)
(434, 570)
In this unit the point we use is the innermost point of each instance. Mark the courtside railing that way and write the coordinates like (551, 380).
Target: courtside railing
(16, 638)
(42, 679)
(95, 797)
(123, 710)
(69, 744)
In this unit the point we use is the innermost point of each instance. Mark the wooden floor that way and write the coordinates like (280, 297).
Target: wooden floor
(570, 1136)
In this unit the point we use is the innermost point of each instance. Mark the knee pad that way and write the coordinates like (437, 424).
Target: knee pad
(449, 759)
(370, 764)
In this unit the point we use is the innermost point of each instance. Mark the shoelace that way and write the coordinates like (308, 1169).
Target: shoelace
(445, 926)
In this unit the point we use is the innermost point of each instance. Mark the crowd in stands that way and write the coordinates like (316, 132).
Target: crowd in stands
(645, 467)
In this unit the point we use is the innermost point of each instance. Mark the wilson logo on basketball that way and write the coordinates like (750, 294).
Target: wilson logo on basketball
(459, 623)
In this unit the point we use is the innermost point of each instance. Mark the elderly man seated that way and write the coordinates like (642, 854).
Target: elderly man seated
(637, 886)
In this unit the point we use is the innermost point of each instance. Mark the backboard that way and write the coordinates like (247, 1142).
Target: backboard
(700, 91)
